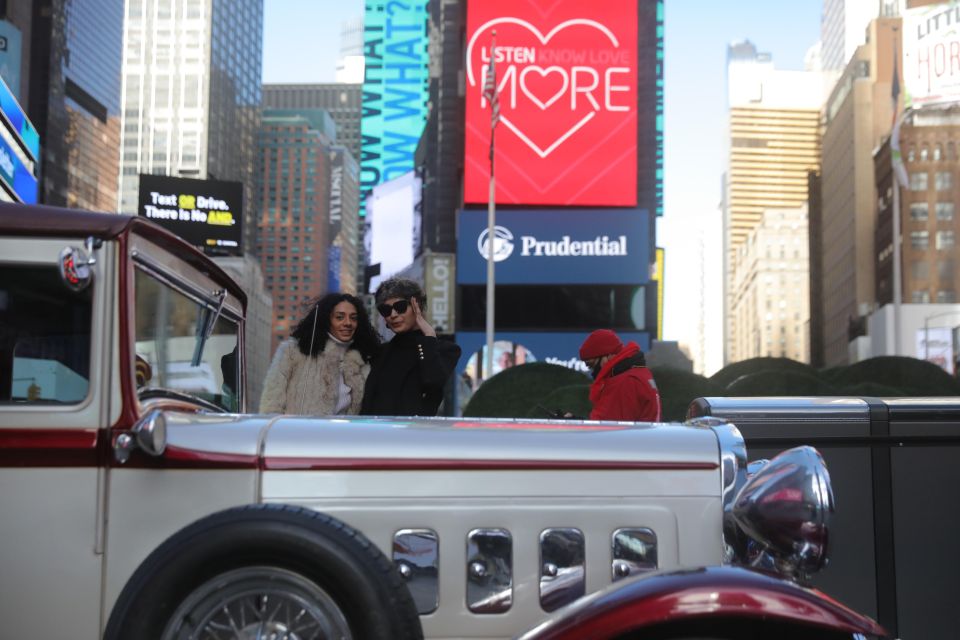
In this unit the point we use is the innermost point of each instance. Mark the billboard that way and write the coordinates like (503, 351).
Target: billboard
(566, 75)
(10, 44)
(205, 213)
(935, 344)
(392, 227)
(556, 246)
(395, 89)
(19, 149)
(931, 54)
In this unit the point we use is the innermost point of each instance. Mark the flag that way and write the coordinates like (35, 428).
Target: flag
(490, 86)
(899, 169)
(895, 86)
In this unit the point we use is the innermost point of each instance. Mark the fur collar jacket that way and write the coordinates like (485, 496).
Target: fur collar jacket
(298, 384)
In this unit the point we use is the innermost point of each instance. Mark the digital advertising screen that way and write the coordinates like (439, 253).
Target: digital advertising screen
(567, 87)
(395, 89)
(205, 213)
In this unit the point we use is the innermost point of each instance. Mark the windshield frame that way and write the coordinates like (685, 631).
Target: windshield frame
(168, 270)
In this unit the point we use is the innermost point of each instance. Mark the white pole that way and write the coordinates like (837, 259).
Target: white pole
(491, 215)
(491, 223)
(897, 288)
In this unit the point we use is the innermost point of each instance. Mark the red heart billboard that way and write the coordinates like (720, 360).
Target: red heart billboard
(566, 75)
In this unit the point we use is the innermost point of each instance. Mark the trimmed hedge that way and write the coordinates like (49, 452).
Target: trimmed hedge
(724, 377)
(912, 376)
(773, 382)
(678, 389)
(574, 398)
(515, 392)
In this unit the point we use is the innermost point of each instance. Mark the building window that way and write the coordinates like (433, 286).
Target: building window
(946, 296)
(911, 155)
(920, 240)
(918, 211)
(918, 181)
(945, 240)
(945, 269)
(919, 269)
(943, 180)
(945, 211)
(919, 297)
(937, 152)
(923, 153)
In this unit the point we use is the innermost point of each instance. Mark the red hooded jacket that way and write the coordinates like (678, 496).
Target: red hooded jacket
(625, 389)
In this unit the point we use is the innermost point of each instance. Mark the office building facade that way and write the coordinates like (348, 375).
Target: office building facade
(191, 94)
(293, 229)
(858, 114)
(773, 141)
(770, 297)
(341, 101)
(73, 96)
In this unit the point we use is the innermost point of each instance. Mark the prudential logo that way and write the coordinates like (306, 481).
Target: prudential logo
(502, 243)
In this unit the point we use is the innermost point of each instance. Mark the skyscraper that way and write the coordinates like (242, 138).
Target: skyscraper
(341, 101)
(192, 92)
(857, 115)
(293, 189)
(73, 98)
(773, 140)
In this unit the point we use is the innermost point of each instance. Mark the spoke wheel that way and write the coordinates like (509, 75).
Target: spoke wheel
(258, 603)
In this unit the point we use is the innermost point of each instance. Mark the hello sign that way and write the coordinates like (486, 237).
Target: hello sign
(567, 78)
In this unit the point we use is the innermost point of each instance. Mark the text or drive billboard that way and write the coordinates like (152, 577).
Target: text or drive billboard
(205, 213)
(931, 54)
(392, 227)
(556, 246)
(566, 76)
(395, 88)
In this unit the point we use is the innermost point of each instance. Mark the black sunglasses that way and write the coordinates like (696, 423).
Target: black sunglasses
(400, 306)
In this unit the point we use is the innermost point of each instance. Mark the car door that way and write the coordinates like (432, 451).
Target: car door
(55, 407)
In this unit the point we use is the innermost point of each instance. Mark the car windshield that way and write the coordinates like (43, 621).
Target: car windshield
(44, 337)
(172, 352)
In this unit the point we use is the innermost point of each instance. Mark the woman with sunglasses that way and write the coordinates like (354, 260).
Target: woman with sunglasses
(322, 368)
(408, 376)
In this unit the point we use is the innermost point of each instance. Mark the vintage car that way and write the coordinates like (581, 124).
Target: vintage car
(138, 500)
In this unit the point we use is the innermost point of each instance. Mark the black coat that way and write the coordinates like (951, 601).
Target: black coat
(408, 375)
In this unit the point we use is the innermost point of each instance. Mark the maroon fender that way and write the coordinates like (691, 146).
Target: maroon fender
(713, 592)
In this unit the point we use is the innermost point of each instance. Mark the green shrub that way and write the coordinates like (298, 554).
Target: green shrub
(514, 392)
(574, 398)
(912, 376)
(731, 372)
(678, 389)
(779, 382)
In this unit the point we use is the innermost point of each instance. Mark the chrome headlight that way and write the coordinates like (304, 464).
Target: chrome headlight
(785, 508)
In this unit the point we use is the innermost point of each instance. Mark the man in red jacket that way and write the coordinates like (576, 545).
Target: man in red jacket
(623, 387)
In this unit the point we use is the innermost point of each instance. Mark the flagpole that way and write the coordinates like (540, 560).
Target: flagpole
(491, 220)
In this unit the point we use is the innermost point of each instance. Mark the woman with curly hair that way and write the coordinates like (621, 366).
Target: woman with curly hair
(322, 368)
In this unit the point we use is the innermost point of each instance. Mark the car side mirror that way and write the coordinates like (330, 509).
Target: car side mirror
(149, 435)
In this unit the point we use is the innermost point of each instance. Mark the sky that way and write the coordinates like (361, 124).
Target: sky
(302, 38)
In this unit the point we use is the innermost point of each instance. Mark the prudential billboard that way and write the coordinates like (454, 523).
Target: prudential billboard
(556, 246)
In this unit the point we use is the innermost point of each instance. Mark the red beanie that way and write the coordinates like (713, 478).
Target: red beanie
(601, 342)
